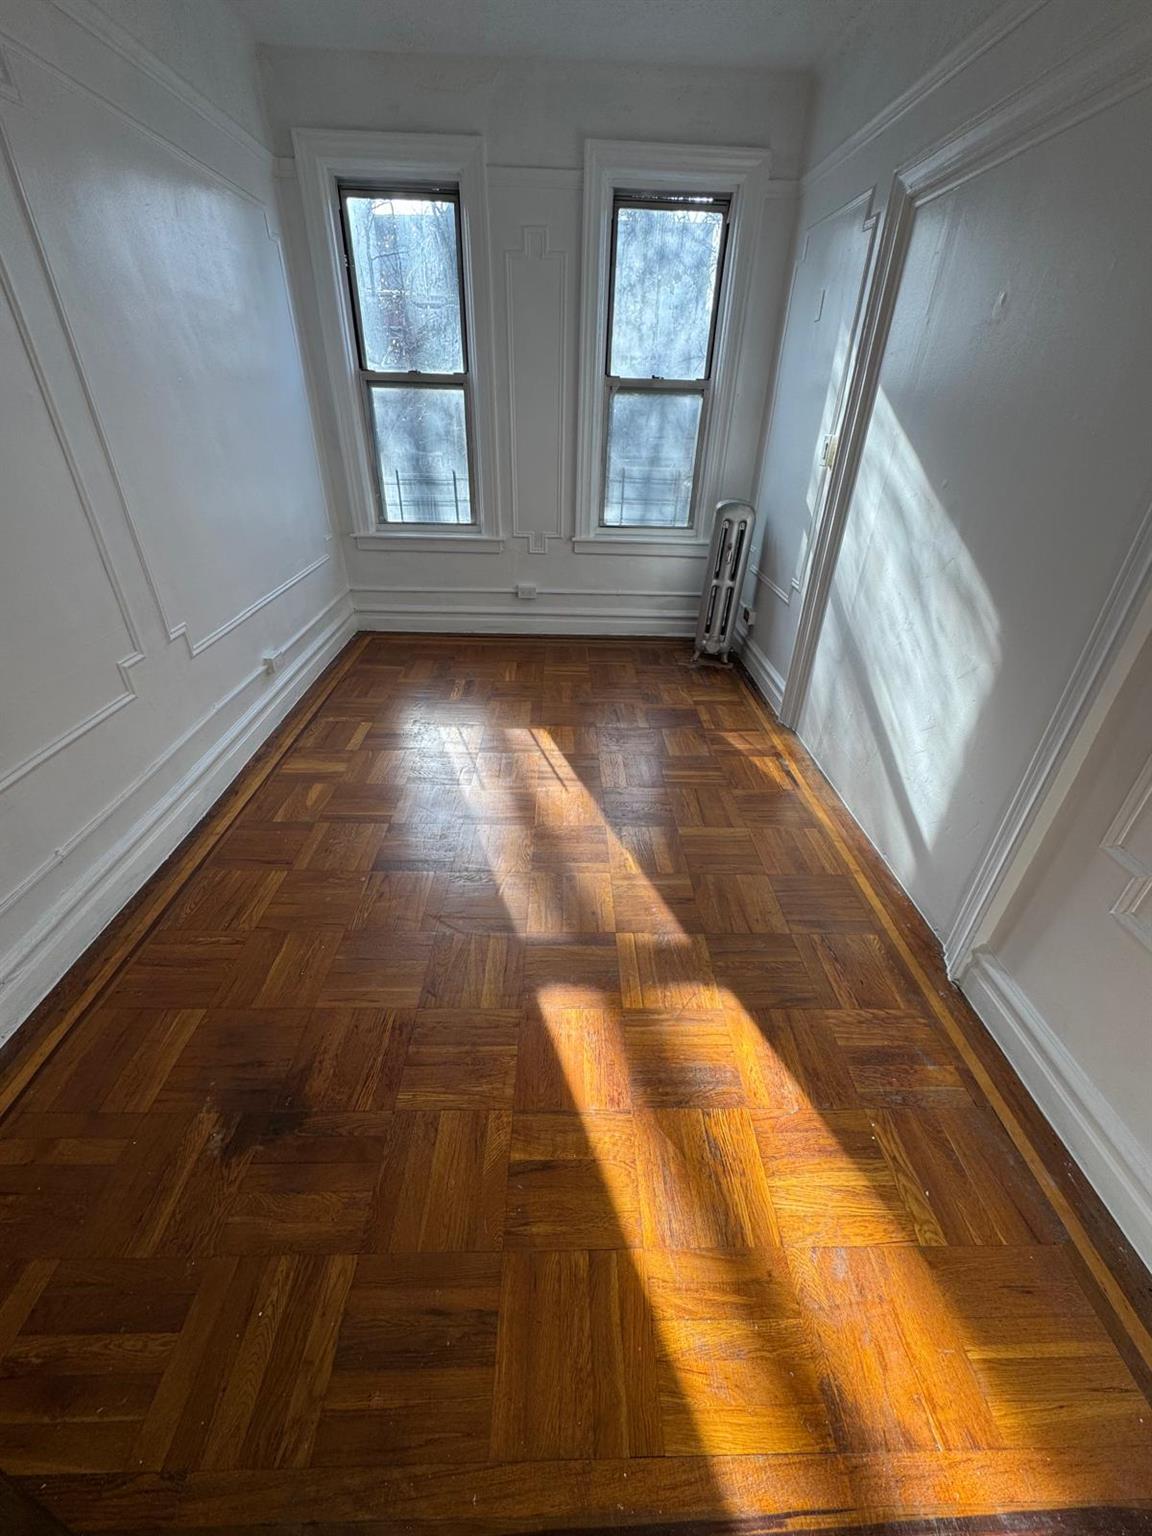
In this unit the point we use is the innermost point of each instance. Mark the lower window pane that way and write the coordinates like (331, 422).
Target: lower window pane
(651, 459)
(422, 445)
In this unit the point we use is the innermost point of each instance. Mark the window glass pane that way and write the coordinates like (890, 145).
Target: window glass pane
(407, 274)
(665, 277)
(422, 443)
(651, 458)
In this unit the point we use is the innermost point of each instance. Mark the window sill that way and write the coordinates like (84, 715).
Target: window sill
(420, 543)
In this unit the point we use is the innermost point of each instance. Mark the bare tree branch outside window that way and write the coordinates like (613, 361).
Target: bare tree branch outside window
(404, 262)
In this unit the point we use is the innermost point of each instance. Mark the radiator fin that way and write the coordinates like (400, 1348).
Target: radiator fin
(726, 568)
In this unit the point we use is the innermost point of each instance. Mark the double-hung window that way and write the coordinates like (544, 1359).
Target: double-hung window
(669, 252)
(666, 272)
(403, 258)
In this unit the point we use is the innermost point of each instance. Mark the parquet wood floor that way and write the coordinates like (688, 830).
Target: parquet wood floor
(529, 1109)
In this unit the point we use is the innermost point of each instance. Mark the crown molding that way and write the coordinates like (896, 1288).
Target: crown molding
(979, 42)
(101, 26)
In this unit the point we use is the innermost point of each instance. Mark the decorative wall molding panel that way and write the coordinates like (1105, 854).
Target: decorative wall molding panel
(66, 739)
(536, 303)
(40, 542)
(196, 646)
(125, 795)
(1110, 1155)
(140, 494)
(1100, 651)
(13, 187)
(762, 579)
(31, 968)
(1129, 841)
(163, 489)
(1084, 86)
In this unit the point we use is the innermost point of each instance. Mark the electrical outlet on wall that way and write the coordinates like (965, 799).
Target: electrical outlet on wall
(748, 615)
(526, 590)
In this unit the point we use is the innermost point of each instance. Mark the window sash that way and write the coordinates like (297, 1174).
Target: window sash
(702, 386)
(671, 204)
(414, 378)
(629, 387)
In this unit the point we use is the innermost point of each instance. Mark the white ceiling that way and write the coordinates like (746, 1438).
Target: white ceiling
(753, 33)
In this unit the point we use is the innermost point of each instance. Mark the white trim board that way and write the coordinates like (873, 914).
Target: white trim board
(30, 971)
(1114, 1162)
(762, 579)
(761, 670)
(842, 423)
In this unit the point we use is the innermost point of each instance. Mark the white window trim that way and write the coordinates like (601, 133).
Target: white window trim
(611, 165)
(323, 158)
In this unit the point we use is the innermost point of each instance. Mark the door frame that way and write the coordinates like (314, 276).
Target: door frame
(826, 526)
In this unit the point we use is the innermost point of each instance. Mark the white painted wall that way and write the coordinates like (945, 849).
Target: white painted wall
(996, 539)
(204, 45)
(1072, 980)
(535, 117)
(1004, 478)
(892, 48)
(1009, 404)
(164, 520)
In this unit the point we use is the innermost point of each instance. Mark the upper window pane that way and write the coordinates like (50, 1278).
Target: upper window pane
(406, 266)
(664, 285)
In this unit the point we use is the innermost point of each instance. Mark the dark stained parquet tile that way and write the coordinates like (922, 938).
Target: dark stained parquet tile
(526, 1118)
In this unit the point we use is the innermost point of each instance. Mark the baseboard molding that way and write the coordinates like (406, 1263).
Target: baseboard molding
(495, 621)
(1114, 1162)
(762, 672)
(66, 931)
